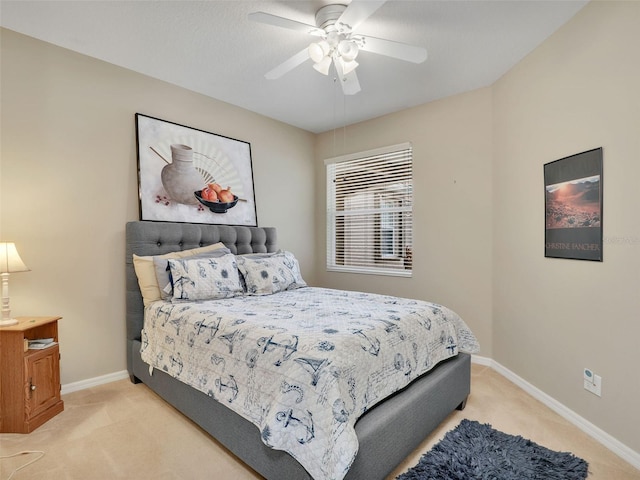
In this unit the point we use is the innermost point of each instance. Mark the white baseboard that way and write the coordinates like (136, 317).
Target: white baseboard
(589, 428)
(477, 359)
(93, 382)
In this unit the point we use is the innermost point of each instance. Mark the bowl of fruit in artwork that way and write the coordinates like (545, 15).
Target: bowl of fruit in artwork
(216, 198)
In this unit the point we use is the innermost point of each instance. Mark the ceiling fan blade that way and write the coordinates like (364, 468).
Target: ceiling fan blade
(262, 17)
(349, 82)
(403, 51)
(357, 12)
(288, 65)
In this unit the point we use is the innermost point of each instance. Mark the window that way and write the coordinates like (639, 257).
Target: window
(370, 211)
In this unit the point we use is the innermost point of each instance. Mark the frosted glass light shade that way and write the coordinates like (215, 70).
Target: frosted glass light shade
(348, 50)
(323, 65)
(348, 67)
(333, 38)
(319, 50)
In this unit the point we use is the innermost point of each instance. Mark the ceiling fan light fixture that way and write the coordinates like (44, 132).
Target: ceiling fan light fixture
(319, 50)
(323, 65)
(338, 42)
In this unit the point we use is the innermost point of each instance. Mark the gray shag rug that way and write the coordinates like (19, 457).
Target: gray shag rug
(475, 451)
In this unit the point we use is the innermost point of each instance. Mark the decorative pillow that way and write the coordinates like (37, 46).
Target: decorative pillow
(205, 278)
(271, 274)
(253, 255)
(163, 272)
(146, 272)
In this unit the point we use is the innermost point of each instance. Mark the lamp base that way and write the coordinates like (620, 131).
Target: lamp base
(7, 322)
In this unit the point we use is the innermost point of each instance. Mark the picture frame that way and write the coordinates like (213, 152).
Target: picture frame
(176, 163)
(573, 206)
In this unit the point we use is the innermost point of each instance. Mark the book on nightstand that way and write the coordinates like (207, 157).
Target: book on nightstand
(41, 343)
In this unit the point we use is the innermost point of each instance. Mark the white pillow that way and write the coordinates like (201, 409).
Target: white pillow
(205, 278)
(275, 273)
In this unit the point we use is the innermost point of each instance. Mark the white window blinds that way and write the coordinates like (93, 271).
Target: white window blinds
(370, 211)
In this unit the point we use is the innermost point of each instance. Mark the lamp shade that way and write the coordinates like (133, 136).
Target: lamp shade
(10, 261)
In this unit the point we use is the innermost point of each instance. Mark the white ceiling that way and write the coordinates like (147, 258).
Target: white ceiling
(210, 47)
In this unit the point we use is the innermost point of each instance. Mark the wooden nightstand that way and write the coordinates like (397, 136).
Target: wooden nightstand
(29, 379)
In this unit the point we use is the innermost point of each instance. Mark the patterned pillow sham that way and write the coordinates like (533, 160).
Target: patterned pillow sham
(253, 255)
(205, 278)
(145, 270)
(163, 272)
(272, 274)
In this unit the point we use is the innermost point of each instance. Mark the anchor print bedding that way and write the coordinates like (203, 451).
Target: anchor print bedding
(304, 364)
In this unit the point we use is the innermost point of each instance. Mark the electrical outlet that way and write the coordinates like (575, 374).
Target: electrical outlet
(592, 382)
(597, 385)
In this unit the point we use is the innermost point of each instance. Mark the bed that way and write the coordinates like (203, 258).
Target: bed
(387, 430)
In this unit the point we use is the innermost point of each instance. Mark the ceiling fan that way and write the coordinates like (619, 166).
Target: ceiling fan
(338, 42)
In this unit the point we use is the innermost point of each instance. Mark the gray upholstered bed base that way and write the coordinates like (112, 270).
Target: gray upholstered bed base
(387, 433)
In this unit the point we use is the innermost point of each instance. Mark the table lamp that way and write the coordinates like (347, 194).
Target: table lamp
(10, 262)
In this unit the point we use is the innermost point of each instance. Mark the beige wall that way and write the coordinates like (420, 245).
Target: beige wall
(479, 213)
(69, 185)
(452, 155)
(553, 317)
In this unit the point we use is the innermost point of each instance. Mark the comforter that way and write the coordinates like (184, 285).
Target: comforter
(303, 365)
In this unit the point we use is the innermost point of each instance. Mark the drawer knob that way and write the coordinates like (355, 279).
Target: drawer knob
(33, 387)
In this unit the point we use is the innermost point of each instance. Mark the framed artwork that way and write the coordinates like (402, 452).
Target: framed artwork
(179, 167)
(573, 207)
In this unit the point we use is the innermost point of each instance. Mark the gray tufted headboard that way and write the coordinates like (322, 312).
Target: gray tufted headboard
(156, 238)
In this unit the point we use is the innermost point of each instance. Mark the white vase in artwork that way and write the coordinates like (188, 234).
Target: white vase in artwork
(180, 178)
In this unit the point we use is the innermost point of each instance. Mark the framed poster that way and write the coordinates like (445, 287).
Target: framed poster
(573, 207)
(178, 166)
